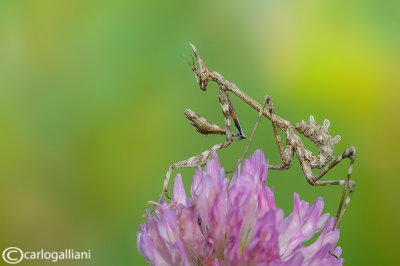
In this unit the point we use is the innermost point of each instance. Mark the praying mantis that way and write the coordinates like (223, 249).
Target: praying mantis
(318, 134)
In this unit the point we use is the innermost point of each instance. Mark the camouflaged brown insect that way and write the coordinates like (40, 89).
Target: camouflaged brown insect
(318, 134)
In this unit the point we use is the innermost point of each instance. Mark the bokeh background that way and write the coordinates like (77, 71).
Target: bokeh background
(92, 96)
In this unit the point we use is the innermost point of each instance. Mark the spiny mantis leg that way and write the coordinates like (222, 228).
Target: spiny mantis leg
(347, 183)
(224, 101)
(287, 154)
(202, 125)
(205, 127)
(193, 162)
(235, 119)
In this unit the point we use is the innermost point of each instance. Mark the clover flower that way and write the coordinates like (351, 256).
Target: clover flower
(236, 223)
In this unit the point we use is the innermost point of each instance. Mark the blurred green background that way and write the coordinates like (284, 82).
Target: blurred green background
(92, 96)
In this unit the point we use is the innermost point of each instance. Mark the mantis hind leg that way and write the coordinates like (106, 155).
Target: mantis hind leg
(346, 183)
(286, 154)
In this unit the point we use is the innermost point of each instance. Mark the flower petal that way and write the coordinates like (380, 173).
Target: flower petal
(213, 166)
(179, 193)
(168, 227)
(196, 180)
(236, 223)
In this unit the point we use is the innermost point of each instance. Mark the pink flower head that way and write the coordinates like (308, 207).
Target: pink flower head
(236, 223)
